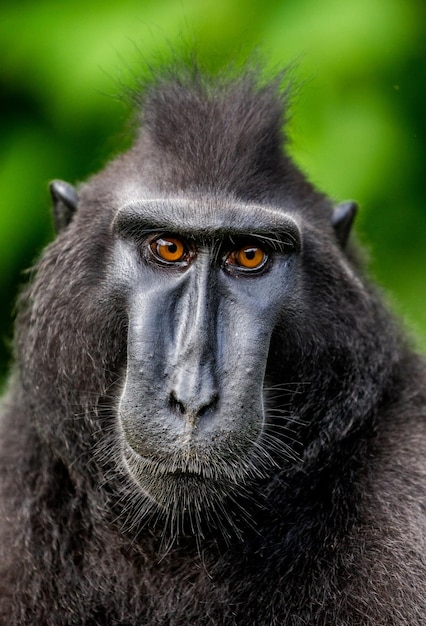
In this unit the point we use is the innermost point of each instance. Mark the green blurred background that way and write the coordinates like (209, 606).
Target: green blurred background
(358, 127)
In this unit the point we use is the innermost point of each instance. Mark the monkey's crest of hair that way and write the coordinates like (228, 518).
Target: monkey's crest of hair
(212, 417)
(226, 131)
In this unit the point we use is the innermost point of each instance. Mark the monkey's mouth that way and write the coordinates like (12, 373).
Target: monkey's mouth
(184, 485)
(178, 471)
(191, 465)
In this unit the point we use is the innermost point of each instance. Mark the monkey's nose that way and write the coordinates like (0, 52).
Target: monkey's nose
(192, 408)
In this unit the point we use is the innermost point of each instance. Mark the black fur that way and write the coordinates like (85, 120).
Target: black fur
(329, 528)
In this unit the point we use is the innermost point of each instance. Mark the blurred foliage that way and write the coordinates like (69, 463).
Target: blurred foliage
(358, 127)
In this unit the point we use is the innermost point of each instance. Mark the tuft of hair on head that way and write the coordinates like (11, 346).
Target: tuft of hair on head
(223, 131)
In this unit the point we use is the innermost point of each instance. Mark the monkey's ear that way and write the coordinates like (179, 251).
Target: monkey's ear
(65, 201)
(342, 220)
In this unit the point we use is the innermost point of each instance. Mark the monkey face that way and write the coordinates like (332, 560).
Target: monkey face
(203, 301)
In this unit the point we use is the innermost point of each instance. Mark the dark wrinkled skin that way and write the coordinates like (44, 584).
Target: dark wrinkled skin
(193, 442)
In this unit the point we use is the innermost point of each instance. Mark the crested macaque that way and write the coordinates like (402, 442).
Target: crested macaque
(212, 418)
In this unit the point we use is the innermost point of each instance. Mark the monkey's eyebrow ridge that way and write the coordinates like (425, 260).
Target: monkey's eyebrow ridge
(204, 218)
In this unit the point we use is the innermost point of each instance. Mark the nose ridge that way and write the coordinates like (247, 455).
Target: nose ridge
(194, 389)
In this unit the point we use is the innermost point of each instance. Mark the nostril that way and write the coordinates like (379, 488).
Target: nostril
(176, 404)
(193, 408)
(209, 406)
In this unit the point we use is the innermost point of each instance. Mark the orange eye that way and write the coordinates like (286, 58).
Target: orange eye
(169, 249)
(248, 258)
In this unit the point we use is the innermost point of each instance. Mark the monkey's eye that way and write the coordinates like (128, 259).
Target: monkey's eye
(168, 249)
(247, 258)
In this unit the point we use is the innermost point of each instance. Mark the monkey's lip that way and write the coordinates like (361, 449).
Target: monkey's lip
(193, 468)
(184, 472)
(166, 466)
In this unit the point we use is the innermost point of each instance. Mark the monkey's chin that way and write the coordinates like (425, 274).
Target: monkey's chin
(181, 484)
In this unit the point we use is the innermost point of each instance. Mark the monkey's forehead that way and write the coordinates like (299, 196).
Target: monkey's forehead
(205, 215)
